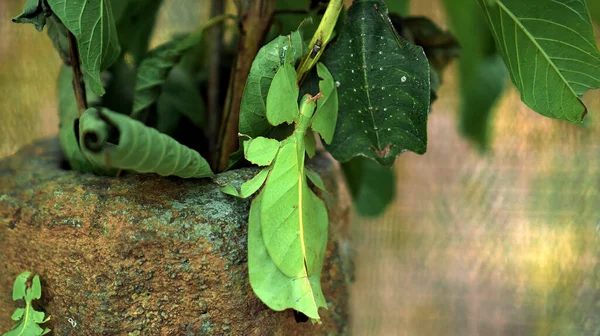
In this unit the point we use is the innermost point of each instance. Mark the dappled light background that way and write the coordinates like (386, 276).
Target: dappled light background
(502, 243)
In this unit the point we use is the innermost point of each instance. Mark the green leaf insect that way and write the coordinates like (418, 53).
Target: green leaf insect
(28, 319)
(117, 141)
(35, 12)
(288, 223)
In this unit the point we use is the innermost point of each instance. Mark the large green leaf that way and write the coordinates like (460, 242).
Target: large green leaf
(550, 51)
(253, 120)
(594, 7)
(28, 319)
(135, 21)
(482, 72)
(372, 186)
(383, 88)
(270, 284)
(117, 141)
(92, 24)
(35, 12)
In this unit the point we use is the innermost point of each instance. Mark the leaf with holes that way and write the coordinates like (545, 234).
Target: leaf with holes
(28, 319)
(117, 141)
(550, 51)
(92, 24)
(383, 88)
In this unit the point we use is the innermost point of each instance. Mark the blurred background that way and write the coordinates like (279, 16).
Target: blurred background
(501, 243)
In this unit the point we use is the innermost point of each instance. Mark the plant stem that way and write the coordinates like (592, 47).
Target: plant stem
(78, 82)
(255, 18)
(320, 38)
(214, 82)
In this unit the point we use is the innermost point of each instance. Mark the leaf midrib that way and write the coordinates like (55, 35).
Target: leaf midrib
(364, 69)
(534, 41)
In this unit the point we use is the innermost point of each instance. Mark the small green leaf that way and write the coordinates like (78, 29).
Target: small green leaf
(550, 51)
(282, 99)
(270, 284)
(315, 179)
(325, 117)
(20, 285)
(17, 314)
(372, 186)
(248, 188)
(92, 24)
(117, 141)
(261, 151)
(36, 288)
(35, 12)
(384, 88)
(28, 319)
(253, 120)
(311, 144)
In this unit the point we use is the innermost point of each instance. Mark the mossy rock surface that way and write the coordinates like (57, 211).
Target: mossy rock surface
(147, 255)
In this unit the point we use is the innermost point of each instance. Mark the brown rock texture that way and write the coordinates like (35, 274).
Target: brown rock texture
(147, 255)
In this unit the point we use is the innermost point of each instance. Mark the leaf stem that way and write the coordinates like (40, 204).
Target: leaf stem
(78, 82)
(320, 38)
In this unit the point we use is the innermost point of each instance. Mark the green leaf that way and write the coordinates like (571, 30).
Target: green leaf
(117, 141)
(594, 7)
(250, 187)
(401, 7)
(155, 68)
(270, 284)
(179, 97)
(135, 23)
(35, 12)
(58, 34)
(92, 24)
(261, 151)
(383, 88)
(28, 319)
(283, 49)
(482, 72)
(68, 131)
(550, 51)
(315, 179)
(325, 117)
(372, 186)
(282, 99)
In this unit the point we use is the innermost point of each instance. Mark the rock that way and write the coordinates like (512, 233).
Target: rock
(147, 255)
